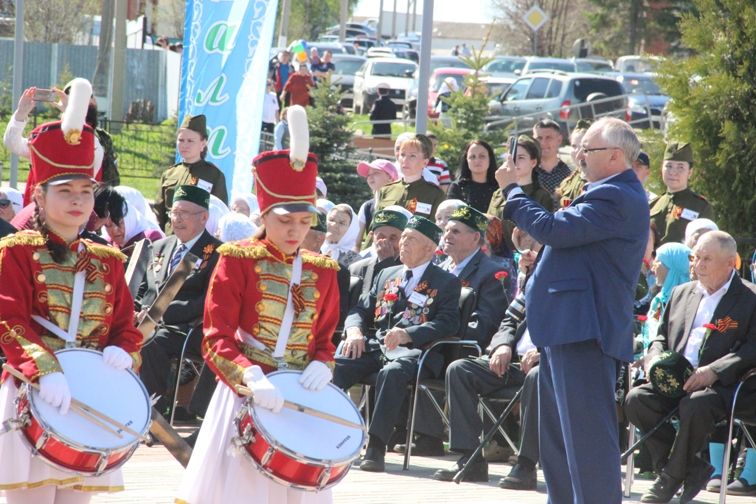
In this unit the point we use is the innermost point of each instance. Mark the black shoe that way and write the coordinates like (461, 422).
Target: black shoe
(476, 472)
(397, 437)
(424, 446)
(519, 478)
(696, 480)
(741, 487)
(662, 490)
(374, 461)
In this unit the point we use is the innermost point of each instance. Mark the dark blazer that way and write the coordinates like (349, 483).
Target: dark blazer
(584, 284)
(490, 297)
(730, 351)
(438, 318)
(367, 269)
(6, 228)
(186, 309)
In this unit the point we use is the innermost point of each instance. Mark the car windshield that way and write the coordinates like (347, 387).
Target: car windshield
(439, 79)
(504, 66)
(393, 69)
(584, 87)
(593, 66)
(347, 66)
(638, 65)
(641, 86)
(551, 65)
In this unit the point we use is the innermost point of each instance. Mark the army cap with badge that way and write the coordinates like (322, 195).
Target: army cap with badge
(676, 166)
(197, 123)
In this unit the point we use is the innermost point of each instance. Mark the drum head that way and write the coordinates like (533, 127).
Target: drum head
(118, 394)
(307, 436)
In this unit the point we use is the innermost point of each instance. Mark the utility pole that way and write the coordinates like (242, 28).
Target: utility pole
(393, 22)
(421, 114)
(119, 63)
(380, 21)
(18, 76)
(283, 28)
(343, 20)
(414, 16)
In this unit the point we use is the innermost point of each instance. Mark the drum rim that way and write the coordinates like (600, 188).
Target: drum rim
(291, 453)
(75, 444)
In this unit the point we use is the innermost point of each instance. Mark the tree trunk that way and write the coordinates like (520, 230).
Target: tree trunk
(102, 69)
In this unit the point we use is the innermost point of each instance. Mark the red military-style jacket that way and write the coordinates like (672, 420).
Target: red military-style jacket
(32, 283)
(248, 291)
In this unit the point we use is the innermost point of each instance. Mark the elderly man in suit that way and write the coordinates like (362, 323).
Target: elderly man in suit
(712, 322)
(188, 215)
(408, 307)
(580, 310)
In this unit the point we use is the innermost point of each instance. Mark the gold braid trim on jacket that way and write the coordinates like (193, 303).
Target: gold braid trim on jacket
(25, 237)
(104, 251)
(258, 251)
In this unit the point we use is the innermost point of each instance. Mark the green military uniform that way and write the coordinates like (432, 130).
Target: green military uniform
(419, 197)
(570, 188)
(496, 207)
(671, 212)
(200, 173)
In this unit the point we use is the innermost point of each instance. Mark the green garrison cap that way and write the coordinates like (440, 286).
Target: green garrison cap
(388, 218)
(668, 372)
(425, 227)
(196, 123)
(319, 222)
(193, 194)
(679, 151)
(471, 217)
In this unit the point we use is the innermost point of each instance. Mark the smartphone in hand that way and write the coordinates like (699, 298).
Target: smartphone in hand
(512, 147)
(45, 95)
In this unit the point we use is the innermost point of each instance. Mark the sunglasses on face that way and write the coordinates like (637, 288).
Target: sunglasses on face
(4, 203)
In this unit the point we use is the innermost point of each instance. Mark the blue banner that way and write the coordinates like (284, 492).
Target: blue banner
(224, 73)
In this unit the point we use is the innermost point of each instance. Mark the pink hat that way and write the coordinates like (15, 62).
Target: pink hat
(378, 164)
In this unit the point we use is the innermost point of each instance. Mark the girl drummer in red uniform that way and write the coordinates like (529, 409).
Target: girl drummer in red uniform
(253, 287)
(39, 298)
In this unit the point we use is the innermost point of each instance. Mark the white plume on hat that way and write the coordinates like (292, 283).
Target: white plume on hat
(299, 136)
(72, 122)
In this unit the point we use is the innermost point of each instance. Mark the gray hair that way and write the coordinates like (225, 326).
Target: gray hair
(619, 134)
(724, 240)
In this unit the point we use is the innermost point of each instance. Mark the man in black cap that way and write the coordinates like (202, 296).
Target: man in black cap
(642, 168)
(183, 317)
(712, 322)
(387, 226)
(410, 306)
(672, 211)
(191, 144)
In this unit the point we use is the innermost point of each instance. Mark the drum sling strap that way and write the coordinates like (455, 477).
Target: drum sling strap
(77, 298)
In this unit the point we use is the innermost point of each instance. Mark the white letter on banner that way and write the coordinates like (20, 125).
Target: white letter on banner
(220, 37)
(214, 94)
(216, 142)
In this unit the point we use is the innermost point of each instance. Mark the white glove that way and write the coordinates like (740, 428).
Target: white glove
(53, 389)
(117, 357)
(264, 393)
(315, 376)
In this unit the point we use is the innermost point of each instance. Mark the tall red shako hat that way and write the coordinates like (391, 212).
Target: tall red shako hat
(63, 150)
(285, 179)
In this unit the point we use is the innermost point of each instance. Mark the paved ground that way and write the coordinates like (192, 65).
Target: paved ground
(152, 476)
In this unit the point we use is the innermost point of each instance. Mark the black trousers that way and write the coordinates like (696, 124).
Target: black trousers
(165, 346)
(391, 392)
(675, 452)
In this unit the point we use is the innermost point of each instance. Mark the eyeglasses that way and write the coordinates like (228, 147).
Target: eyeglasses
(586, 150)
(182, 214)
(4, 203)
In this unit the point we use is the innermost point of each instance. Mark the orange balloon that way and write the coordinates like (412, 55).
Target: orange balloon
(302, 57)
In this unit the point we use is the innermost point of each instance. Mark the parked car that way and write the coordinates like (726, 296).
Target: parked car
(495, 86)
(438, 76)
(593, 65)
(447, 61)
(505, 66)
(395, 72)
(538, 63)
(322, 47)
(563, 97)
(393, 52)
(369, 31)
(637, 64)
(361, 43)
(646, 101)
(347, 66)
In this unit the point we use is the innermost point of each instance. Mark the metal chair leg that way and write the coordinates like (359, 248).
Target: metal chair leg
(630, 464)
(728, 446)
(179, 367)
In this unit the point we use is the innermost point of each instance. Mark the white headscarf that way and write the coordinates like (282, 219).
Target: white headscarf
(248, 198)
(216, 210)
(135, 199)
(235, 226)
(324, 205)
(697, 225)
(348, 241)
(15, 197)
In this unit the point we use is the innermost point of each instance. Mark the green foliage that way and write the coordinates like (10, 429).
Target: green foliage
(713, 101)
(331, 141)
(467, 112)
(310, 18)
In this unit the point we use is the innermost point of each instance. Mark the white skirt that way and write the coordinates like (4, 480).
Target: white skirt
(219, 474)
(20, 469)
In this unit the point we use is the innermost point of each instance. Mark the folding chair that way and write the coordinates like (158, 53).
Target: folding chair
(741, 422)
(194, 361)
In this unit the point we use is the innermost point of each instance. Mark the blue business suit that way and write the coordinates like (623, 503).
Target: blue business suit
(580, 305)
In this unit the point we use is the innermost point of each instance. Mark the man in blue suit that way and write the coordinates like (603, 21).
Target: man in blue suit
(580, 308)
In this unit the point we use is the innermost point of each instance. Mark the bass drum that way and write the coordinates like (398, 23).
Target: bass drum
(71, 442)
(298, 449)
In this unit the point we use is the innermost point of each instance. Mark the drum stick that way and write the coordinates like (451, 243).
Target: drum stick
(245, 391)
(75, 403)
